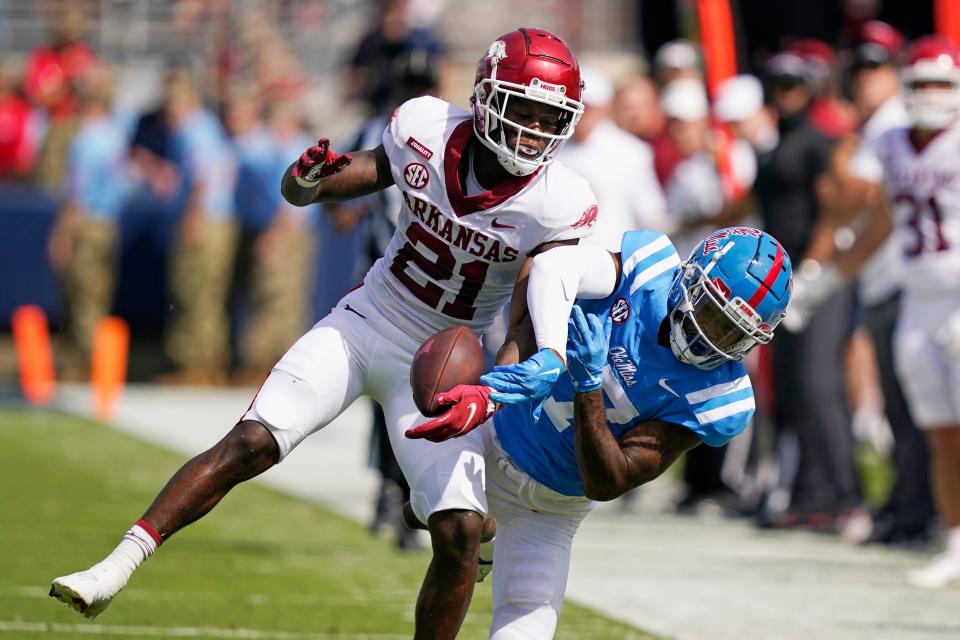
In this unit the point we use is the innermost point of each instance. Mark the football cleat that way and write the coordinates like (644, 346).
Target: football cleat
(88, 592)
(938, 573)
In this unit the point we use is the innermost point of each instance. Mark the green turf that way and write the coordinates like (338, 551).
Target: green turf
(263, 565)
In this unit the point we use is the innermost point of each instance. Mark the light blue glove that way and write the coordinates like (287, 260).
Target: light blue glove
(530, 380)
(588, 339)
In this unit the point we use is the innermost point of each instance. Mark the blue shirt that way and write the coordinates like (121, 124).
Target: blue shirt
(201, 150)
(642, 381)
(257, 195)
(98, 179)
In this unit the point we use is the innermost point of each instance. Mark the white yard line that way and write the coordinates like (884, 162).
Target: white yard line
(47, 628)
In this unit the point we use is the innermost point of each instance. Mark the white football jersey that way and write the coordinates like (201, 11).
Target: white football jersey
(880, 275)
(923, 188)
(455, 257)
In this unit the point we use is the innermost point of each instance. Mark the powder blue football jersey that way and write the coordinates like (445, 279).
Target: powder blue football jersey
(642, 381)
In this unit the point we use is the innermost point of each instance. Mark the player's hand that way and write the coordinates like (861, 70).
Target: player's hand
(530, 380)
(319, 162)
(588, 340)
(470, 406)
(812, 285)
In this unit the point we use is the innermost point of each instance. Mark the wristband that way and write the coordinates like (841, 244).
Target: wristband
(590, 384)
(306, 184)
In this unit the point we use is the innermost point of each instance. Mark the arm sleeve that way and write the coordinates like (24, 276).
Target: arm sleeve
(557, 278)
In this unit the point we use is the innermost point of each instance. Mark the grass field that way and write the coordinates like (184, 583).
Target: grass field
(262, 566)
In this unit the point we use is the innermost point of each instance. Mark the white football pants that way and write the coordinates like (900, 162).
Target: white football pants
(927, 357)
(531, 557)
(355, 351)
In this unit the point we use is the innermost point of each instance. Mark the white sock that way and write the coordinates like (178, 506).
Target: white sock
(953, 541)
(138, 544)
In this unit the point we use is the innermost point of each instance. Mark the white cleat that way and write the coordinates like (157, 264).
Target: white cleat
(88, 592)
(938, 573)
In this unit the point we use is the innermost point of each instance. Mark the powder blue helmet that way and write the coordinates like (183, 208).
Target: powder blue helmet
(729, 296)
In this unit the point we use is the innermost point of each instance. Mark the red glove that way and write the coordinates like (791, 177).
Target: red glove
(319, 162)
(471, 407)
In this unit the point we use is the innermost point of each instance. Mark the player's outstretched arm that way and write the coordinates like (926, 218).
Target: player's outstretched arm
(322, 175)
(539, 312)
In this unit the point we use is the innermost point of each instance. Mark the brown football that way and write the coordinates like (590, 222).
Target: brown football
(447, 358)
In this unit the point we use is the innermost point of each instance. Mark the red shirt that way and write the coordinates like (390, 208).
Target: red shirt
(48, 75)
(18, 143)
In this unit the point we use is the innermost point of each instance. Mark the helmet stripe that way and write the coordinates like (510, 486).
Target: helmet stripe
(762, 290)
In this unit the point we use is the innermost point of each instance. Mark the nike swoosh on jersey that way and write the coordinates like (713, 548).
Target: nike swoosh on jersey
(466, 423)
(551, 372)
(501, 225)
(663, 384)
(349, 308)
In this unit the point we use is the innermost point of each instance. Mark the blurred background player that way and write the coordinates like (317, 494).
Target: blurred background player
(875, 88)
(808, 367)
(917, 169)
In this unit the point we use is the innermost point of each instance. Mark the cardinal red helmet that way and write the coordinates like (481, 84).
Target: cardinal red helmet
(931, 80)
(529, 64)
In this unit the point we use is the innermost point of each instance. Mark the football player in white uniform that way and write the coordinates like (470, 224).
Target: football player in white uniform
(918, 168)
(481, 198)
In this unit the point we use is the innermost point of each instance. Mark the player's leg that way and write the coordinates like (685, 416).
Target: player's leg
(246, 451)
(447, 493)
(909, 508)
(535, 529)
(309, 387)
(931, 381)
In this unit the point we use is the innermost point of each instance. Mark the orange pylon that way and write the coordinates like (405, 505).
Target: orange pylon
(108, 366)
(31, 336)
(718, 41)
(946, 17)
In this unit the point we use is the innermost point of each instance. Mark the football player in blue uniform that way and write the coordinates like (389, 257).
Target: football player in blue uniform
(653, 353)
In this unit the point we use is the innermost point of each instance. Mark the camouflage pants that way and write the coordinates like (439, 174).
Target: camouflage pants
(198, 335)
(90, 279)
(52, 161)
(279, 297)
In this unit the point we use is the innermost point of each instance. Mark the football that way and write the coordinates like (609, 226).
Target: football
(447, 358)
